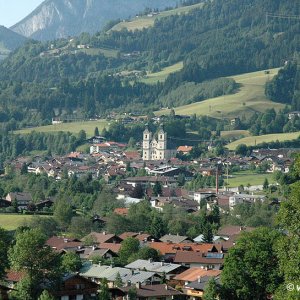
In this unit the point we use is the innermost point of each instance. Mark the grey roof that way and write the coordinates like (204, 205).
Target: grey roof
(176, 239)
(157, 267)
(110, 273)
(203, 281)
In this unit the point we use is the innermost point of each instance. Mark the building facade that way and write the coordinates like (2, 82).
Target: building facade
(155, 148)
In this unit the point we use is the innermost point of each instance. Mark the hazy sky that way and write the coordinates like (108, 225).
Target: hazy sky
(12, 11)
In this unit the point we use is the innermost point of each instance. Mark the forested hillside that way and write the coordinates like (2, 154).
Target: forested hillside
(222, 38)
(285, 87)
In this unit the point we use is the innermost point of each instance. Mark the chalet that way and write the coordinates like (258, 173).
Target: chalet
(4, 203)
(61, 244)
(74, 286)
(144, 181)
(22, 199)
(87, 253)
(184, 149)
(293, 114)
(97, 272)
(149, 292)
(209, 260)
(244, 198)
(176, 239)
(104, 237)
(161, 268)
(196, 289)
(231, 232)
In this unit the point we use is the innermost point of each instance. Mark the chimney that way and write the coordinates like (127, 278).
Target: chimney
(199, 279)
(152, 240)
(138, 285)
(162, 263)
(166, 287)
(104, 233)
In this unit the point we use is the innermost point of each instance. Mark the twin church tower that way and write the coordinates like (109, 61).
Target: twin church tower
(155, 147)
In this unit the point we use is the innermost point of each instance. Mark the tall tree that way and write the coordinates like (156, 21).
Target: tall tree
(4, 244)
(251, 269)
(39, 262)
(288, 248)
(104, 290)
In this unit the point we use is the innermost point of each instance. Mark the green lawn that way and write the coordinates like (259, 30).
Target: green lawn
(250, 98)
(13, 221)
(146, 22)
(75, 127)
(245, 178)
(153, 78)
(255, 140)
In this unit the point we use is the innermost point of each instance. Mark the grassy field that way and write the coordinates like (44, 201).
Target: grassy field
(75, 127)
(255, 140)
(161, 76)
(250, 98)
(13, 221)
(245, 178)
(146, 22)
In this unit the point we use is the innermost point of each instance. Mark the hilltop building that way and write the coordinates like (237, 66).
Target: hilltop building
(156, 148)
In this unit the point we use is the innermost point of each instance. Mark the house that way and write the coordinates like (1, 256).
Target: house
(184, 149)
(150, 292)
(104, 237)
(169, 250)
(293, 114)
(87, 253)
(231, 232)
(168, 269)
(209, 260)
(244, 198)
(176, 239)
(4, 203)
(22, 199)
(196, 289)
(193, 274)
(74, 286)
(61, 244)
(97, 272)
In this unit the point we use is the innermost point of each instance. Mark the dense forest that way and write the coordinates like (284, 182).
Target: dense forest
(285, 87)
(215, 41)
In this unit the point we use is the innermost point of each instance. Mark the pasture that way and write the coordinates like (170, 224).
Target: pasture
(13, 221)
(74, 127)
(255, 140)
(141, 22)
(248, 178)
(153, 78)
(248, 99)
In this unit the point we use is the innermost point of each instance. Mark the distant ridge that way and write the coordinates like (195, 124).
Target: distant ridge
(62, 18)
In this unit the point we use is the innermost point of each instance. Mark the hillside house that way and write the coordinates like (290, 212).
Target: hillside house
(22, 198)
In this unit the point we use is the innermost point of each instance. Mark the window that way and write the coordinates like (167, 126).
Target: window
(161, 136)
(146, 136)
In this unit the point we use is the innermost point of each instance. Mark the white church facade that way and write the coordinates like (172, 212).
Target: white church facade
(156, 148)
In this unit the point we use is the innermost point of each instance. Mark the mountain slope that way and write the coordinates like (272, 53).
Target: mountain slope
(9, 40)
(62, 18)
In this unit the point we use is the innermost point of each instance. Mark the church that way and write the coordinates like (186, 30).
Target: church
(156, 148)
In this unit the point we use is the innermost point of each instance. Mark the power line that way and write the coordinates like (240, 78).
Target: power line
(281, 16)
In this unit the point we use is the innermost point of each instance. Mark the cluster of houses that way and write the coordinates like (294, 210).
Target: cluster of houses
(111, 161)
(182, 272)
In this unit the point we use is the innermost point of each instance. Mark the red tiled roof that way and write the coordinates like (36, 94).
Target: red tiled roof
(111, 246)
(60, 243)
(184, 149)
(233, 230)
(14, 276)
(170, 248)
(193, 274)
(121, 211)
(195, 257)
(102, 237)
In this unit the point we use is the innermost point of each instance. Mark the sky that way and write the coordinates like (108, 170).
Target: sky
(12, 11)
